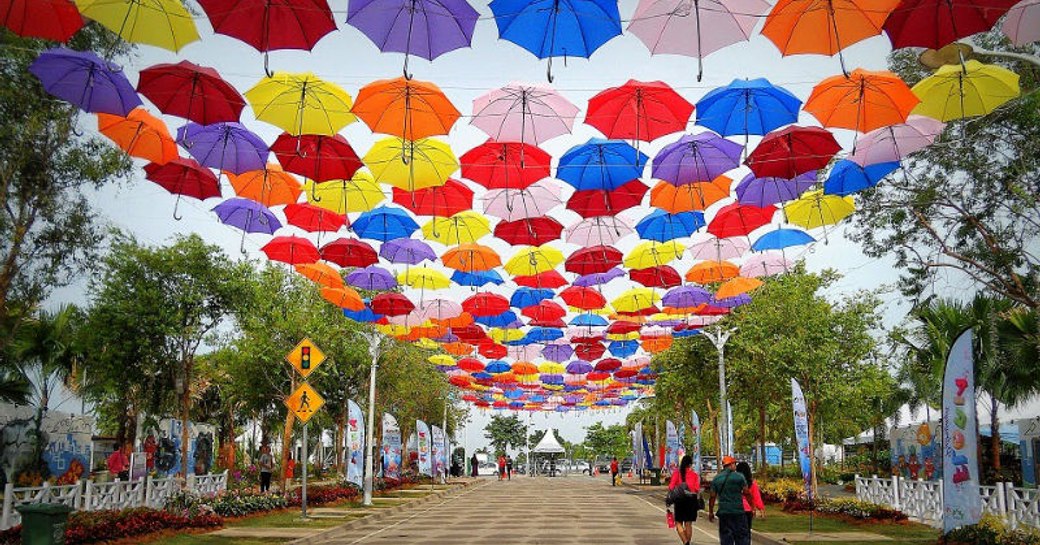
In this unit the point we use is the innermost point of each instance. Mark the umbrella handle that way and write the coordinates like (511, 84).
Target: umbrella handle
(177, 205)
(242, 244)
(267, 68)
(548, 70)
(314, 192)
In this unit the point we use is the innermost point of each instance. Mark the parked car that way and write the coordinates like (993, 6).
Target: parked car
(487, 469)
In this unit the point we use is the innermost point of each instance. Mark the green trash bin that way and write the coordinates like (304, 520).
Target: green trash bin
(655, 476)
(44, 523)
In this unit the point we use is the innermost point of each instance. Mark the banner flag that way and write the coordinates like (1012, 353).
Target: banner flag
(696, 453)
(391, 447)
(422, 432)
(637, 451)
(648, 459)
(355, 443)
(437, 450)
(682, 444)
(729, 430)
(801, 434)
(962, 504)
(671, 445)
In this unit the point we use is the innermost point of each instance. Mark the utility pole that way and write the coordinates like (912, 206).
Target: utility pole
(718, 337)
(375, 350)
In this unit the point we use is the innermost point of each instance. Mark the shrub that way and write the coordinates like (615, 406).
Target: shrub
(238, 503)
(991, 530)
(317, 495)
(781, 490)
(99, 526)
(859, 509)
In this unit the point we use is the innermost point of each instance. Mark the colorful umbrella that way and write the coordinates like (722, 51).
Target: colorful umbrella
(696, 158)
(747, 107)
(848, 177)
(392, 304)
(423, 278)
(321, 274)
(598, 231)
(471, 257)
(583, 298)
(639, 111)
(409, 251)
(815, 209)
(767, 191)
(525, 113)
(737, 286)
(406, 108)
(194, 92)
(269, 186)
(660, 276)
(895, 142)
(314, 219)
(162, 23)
(477, 278)
(485, 304)
(1022, 23)
(708, 272)
(347, 252)
(451, 198)
(360, 193)
(766, 264)
(635, 300)
(935, 23)
(782, 238)
(411, 165)
(291, 249)
(55, 20)
(301, 104)
(594, 259)
(696, 196)
(652, 253)
(956, 91)
(247, 215)
(343, 297)
(462, 228)
(861, 101)
(686, 297)
(534, 260)
(824, 27)
(140, 135)
(530, 202)
(269, 25)
(737, 219)
(662, 226)
(793, 151)
(371, 278)
(86, 81)
(183, 177)
(603, 202)
(224, 146)
(505, 165)
(384, 223)
(530, 231)
(319, 158)
(601, 164)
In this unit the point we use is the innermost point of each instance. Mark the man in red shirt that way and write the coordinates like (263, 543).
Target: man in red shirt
(119, 462)
(613, 471)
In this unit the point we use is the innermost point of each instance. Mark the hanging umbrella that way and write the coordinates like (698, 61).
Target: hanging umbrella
(409, 251)
(406, 108)
(662, 226)
(737, 286)
(650, 253)
(583, 298)
(815, 209)
(194, 92)
(601, 164)
(423, 278)
(411, 165)
(321, 274)
(956, 91)
(603, 202)
(545, 311)
(896, 142)
(708, 272)
(557, 353)
(747, 107)
(697, 29)
(550, 28)
(183, 177)
(462, 228)
(314, 219)
(85, 80)
(471, 257)
(55, 20)
(347, 252)
(598, 231)
(696, 158)
(269, 186)
(451, 198)
(526, 113)
(534, 260)
(384, 223)
(162, 23)
(1022, 23)
(360, 193)
(343, 297)
(140, 135)
(225, 146)
(782, 238)
(861, 101)
(594, 259)
(530, 202)
(635, 300)
(658, 276)
(371, 278)
(249, 216)
(547, 279)
(686, 297)
(767, 191)
(319, 158)
(766, 264)
(477, 278)
(696, 196)
(291, 250)
(505, 165)
(301, 104)
(639, 111)
(530, 231)
(737, 219)
(485, 304)
(848, 177)
(793, 151)
(935, 23)
(392, 304)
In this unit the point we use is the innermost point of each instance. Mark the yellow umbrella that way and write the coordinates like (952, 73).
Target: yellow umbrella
(162, 23)
(631, 336)
(635, 299)
(551, 368)
(392, 330)
(443, 360)
(814, 209)
(427, 343)
(736, 286)
(424, 278)
(358, 194)
(534, 260)
(652, 254)
(957, 91)
(502, 335)
(301, 104)
(465, 227)
(411, 165)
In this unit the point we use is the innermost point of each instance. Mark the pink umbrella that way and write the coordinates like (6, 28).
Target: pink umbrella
(516, 204)
(598, 231)
(765, 264)
(709, 247)
(695, 29)
(410, 319)
(1022, 24)
(526, 113)
(895, 142)
(439, 309)
(525, 352)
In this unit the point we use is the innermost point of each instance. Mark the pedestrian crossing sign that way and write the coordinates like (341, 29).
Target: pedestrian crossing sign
(305, 358)
(304, 402)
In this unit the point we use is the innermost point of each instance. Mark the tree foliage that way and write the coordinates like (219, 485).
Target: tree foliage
(504, 432)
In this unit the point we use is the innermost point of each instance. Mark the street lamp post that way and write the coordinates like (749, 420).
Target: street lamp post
(375, 350)
(718, 337)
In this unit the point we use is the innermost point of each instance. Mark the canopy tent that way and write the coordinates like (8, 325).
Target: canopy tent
(548, 444)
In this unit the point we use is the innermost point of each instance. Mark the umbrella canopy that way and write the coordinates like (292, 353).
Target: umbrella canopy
(319, 158)
(530, 202)
(594, 259)
(530, 231)
(696, 158)
(965, 90)
(392, 304)
(140, 135)
(695, 196)
(505, 165)
(425, 28)
(861, 101)
(347, 252)
(291, 249)
(269, 186)
(462, 228)
(451, 198)
(895, 142)
(360, 193)
(635, 300)
(737, 286)
(848, 177)
(534, 260)
(313, 219)
(767, 191)
(793, 151)
(269, 25)
(477, 278)
(162, 23)
(301, 104)
(423, 278)
(409, 251)
(471, 257)
(547, 279)
(747, 107)
(737, 219)
(601, 164)
(384, 223)
(708, 272)
(603, 202)
(194, 92)
(86, 81)
(766, 264)
(686, 297)
(55, 20)
(583, 298)
(652, 253)
(935, 23)
(526, 113)
(815, 209)
(372, 278)
(485, 304)
(321, 274)
(662, 226)
(658, 276)
(411, 165)
(782, 238)
(639, 111)
(247, 215)
(1022, 24)
(407, 108)
(824, 27)
(343, 297)
(598, 231)
(184, 177)
(224, 146)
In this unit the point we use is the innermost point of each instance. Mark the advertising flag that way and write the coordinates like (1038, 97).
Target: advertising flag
(637, 448)
(801, 434)
(391, 447)
(422, 432)
(671, 445)
(962, 504)
(696, 453)
(648, 459)
(355, 443)
(437, 448)
(729, 429)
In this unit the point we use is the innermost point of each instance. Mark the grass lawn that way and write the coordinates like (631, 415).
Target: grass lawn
(281, 519)
(777, 521)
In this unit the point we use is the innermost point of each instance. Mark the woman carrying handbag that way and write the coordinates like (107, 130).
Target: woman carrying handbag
(684, 495)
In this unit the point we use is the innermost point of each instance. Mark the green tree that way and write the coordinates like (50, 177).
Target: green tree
(607, 441)
(505, 431)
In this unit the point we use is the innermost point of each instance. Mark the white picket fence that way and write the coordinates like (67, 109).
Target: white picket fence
(91, 496)
(922, 500)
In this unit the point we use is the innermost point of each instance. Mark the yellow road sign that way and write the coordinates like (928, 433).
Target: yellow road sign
(305, 358)
(304, 402)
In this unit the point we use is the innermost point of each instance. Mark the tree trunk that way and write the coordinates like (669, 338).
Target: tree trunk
(227, 442)
(994, 423)
(762, 437)
(287, 437)
(186, 415)
(341, 426)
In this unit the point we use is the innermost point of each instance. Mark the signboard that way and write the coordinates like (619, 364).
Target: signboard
(304, 402)
(637, 448)
(962, 504)
(355, 443)
(306, 357)
(696, 450)
(671, 445)
(801, 434)
(138, 465)
(391, 447)
(422, 432)
(438, 451)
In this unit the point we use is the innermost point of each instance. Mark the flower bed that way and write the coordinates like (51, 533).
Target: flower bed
(318, 495)
(781, 490)
(991, 530)
(846, 508)
(100, 526)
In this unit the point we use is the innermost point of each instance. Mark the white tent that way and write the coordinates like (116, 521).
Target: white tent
(548, 444)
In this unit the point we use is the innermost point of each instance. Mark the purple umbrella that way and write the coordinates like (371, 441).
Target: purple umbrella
(557, 352)
(372, 278)
(85, 80)
(427, 28)
(767, 191)
(249, 216)
(224, 146)
(596, 279)
(579, 367)
(695, 158)
(732, 302)
(686, 297)
(409, 251)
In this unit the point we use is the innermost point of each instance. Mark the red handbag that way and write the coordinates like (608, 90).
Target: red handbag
(669, 517)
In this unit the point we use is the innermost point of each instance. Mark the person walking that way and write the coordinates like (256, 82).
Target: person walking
(509, 467)
(613, 471)
(753, 504)
(686, 503)
(266, 465)
(473, 464)
(729, 488)
(119, 462)
(501, 466)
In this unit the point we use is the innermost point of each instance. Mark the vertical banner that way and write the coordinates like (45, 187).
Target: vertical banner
(962, 504)
(682, 444)
(355, 443)
(437, 447)
(671, 445)
(696, 451)
(648, 459)
(637, 448)
(801, 435)
(391, 447)
(422, 432)
(729, 430)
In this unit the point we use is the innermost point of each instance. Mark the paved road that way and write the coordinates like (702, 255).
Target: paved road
(527, 511)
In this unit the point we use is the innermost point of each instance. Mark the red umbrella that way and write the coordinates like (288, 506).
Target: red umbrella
(935, 23)
(447, 200)
(492, 350)
(622, 327)
(589, 351)
(590, 203)
(793, 151)
(291, 250)
(530, 231)
(392, 304)
(472, 334)
(485, 304)
(183, 177)
(584, 298)
(312, 218)
(194, 92)
(545, 310)
(595, 259)
(737, 219)
(639, 111)
(608, 365)
(662, 276)
(348, 252)
(648, 311)
(505, 165)
(596, 376)
(555, 322)
(55, 20)
(471, 365)
(548, 279)
(320, 158)
(268, 25)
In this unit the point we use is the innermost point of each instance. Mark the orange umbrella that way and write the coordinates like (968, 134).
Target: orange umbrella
(824, 26)
(462, 320)
(688, 197)
(271, 186)
(321, 273)
(409, 109)
(863, 101)
(707, 272)
(524, 368)
(655, 345)
(471, 257)
(736, 286)
(139, 134)
(344, 297)
(458, 348)
(426, 331)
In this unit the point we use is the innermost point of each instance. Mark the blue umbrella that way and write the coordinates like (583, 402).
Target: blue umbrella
(528, 297)
(683, 333)
(780, 239)
(365, 315)
(557, 28)
(601, 164)
(385, 223)
(848, 177)
(543, 335)
(747, 107)
(623, 349)
(498, 320)
(662, 226)
(477, 278)
(85, 80)
(589, 320)
(496, 366)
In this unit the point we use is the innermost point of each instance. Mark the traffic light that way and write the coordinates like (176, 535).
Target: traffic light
(305, 357)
